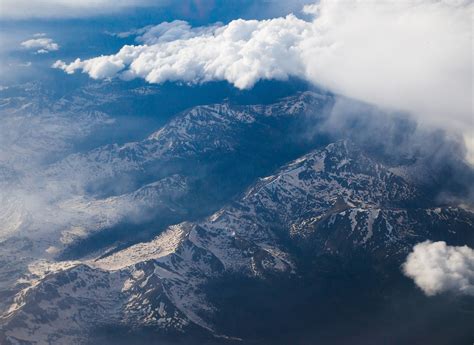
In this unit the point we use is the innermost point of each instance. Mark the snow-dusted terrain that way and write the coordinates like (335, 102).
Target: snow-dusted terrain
(330, 200)
(334, 200)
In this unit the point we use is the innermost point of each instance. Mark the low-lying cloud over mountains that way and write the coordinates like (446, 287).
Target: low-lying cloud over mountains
(437, 267)
(391, 54)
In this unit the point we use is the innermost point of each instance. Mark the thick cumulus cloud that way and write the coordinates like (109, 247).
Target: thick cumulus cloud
(413, 56)
(242, 52)
(436, 267)
(21, 9)
(42, 44)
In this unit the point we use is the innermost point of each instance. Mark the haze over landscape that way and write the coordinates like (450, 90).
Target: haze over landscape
(252, 172)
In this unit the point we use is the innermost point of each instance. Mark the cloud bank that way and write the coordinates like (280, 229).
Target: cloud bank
(241, 52)
(42, 44)
(436, 267)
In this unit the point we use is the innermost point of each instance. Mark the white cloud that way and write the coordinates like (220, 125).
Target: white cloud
(41, 45)
(437, 267)
(412, 56)
(21, 9)
(167, 32)
(241, 52)
(21, 64)
(415, 56)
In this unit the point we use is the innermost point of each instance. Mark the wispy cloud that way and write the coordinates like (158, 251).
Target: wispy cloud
(41, 45)
(168, 32)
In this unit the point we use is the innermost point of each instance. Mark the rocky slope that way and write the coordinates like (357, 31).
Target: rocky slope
(333, 201)
(89, 203)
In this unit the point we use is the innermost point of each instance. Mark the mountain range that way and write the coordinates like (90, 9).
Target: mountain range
(229, 223)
